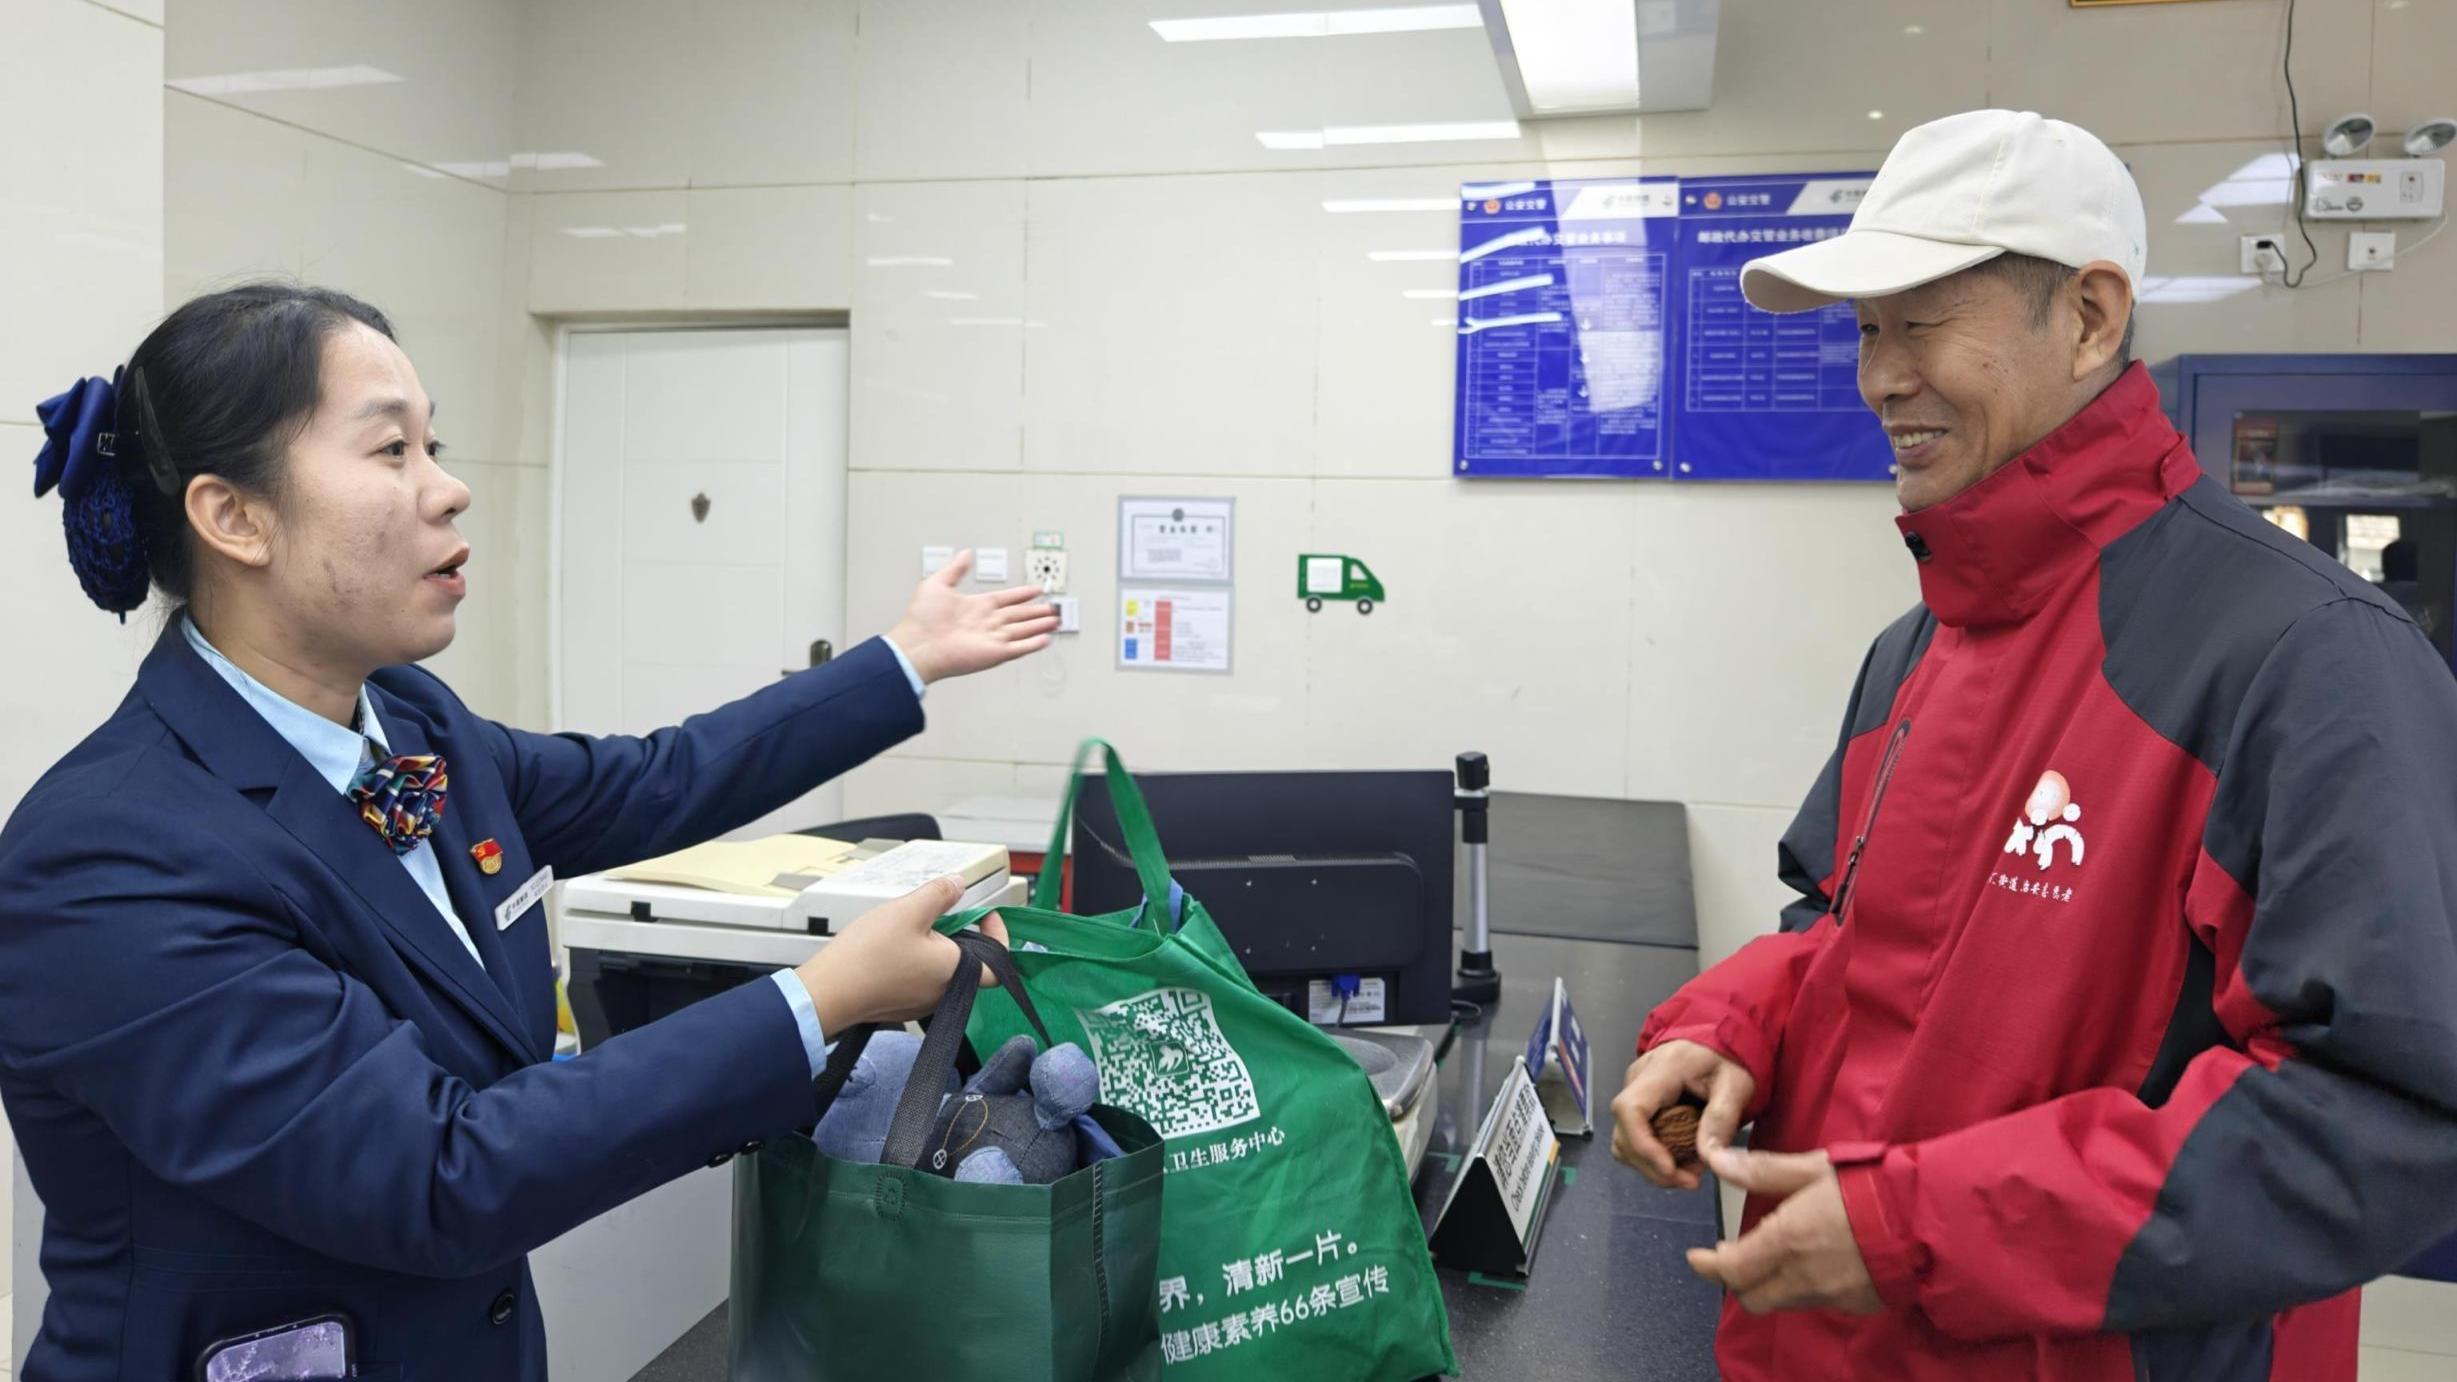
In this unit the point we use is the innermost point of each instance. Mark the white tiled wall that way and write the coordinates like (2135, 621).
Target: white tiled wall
(248, 194)
(234, 196)
(2409, 1331)
(1071, 257)
(1073, 271)
(2170, 74)
(944, 85)
(431, 82)
(608, 251)
(82, 234)
(938, 379)
(82, 238)
(768, 248)
(1142, 294)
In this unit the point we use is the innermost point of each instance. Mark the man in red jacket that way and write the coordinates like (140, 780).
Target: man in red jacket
(2114, 1033)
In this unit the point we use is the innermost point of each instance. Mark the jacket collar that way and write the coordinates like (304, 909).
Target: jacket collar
(1994, 553)
(337, 752)
(235, 744)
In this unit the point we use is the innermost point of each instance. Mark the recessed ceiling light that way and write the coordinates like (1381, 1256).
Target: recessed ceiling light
(1443, 132)
(1574, 55)
(1397, 19)
(282, 79)
(1349, 206)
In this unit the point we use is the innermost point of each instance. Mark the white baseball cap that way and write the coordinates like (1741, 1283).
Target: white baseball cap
(1958, 192)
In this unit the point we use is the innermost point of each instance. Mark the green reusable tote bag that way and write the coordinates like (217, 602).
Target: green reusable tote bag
(859, 1272)
(1290, 1247)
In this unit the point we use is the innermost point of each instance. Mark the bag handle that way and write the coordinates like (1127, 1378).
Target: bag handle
(936, 1060)
(1134, 821)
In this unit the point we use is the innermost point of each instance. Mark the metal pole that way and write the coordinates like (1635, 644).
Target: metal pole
(1477, 980)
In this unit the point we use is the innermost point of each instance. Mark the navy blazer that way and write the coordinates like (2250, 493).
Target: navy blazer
(254, 1076)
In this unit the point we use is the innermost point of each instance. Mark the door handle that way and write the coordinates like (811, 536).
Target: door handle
(822, 652)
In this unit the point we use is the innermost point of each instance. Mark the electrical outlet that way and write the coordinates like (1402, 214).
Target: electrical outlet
(1046, 568)
(2263, 254)
(1070, 614)
(2371, 251)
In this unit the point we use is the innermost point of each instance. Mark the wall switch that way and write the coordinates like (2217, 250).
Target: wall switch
(935, 559)
(1070, 614)
(2371, 251)
(1046, 568)
(990, 566)
(2263, 254)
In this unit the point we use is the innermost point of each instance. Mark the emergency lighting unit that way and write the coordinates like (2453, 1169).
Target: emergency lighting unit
(2375, 189)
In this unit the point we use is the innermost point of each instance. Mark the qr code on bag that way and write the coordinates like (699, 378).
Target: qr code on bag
(1163, 1058)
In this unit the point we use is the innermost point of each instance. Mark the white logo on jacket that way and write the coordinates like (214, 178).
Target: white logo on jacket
(2047, 820)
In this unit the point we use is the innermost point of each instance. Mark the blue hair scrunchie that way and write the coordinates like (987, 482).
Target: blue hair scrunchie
(98, 505)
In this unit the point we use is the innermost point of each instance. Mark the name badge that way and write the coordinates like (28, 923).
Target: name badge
(526, 898)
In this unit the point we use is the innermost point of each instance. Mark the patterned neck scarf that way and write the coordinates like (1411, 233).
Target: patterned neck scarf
(402, 797)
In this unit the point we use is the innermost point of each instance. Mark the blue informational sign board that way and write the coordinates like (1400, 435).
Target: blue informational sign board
(1602, 333)
(1557, 1062)
(1564, 330)
(1757, 396)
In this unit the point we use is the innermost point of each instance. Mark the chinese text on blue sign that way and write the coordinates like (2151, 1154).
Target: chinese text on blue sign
(1602, 332)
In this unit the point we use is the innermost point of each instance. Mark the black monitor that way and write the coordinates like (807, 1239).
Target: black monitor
(1323, 882)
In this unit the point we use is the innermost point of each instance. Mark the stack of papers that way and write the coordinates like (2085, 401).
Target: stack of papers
(835, 900)
(778, 866)
(909, 866)
(825, 882)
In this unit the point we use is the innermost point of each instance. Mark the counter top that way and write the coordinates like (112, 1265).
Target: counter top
(1610, 1295)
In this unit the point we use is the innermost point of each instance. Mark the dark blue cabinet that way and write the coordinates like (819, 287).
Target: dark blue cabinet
(2357, 453)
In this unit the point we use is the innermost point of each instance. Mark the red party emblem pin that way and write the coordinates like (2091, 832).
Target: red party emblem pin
(489, 856)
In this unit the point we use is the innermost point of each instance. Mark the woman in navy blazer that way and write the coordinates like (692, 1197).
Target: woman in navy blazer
(275, 1028)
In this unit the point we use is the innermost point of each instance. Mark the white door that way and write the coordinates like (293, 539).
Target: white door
(701, 525)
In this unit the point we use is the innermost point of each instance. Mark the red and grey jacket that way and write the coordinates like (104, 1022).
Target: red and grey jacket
(2122, 986)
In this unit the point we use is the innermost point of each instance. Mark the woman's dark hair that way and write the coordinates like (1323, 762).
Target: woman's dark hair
(222, 387)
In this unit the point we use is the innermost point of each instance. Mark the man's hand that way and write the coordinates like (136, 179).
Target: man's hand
(947, 633)
(1656, 1081)
(891, 964)
(1799, 1257)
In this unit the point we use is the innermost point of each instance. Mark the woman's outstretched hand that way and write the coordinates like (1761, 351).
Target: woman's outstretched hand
(947, 633)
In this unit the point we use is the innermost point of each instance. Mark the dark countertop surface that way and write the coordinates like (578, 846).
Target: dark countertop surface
(1609, 1295)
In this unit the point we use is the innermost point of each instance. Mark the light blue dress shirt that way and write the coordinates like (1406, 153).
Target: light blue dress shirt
(339, 754)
